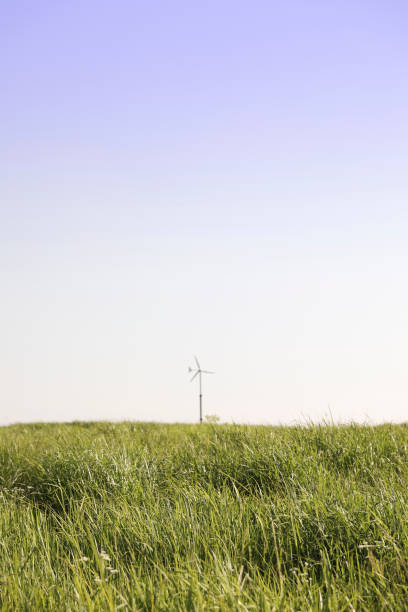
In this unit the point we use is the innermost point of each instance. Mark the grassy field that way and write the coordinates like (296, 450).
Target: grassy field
(101, 516)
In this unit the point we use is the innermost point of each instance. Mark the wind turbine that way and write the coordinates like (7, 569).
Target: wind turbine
(197, 372)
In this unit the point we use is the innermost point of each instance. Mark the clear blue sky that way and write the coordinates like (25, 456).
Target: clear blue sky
(221, 178)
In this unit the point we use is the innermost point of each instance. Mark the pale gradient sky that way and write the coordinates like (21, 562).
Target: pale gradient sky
(224, 178)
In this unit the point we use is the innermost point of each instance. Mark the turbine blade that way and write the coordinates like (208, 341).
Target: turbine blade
(196, 374)
(197, 362)
(207, 372)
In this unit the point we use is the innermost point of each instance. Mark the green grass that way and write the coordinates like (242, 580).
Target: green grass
(101, 516)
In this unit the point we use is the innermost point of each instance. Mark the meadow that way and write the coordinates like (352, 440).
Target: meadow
(139, 516)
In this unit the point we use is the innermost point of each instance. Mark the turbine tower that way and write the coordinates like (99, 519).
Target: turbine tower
(197, 372)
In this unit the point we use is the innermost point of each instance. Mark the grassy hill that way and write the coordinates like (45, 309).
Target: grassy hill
(102, 516)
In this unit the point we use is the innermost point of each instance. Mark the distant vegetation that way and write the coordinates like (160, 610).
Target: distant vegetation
(100, 516)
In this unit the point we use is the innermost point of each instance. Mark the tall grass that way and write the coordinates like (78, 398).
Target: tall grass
(101, 516)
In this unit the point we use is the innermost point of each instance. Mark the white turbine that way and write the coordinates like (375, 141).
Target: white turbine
(197, 372)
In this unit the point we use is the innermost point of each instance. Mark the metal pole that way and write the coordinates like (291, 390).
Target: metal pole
(201, 402)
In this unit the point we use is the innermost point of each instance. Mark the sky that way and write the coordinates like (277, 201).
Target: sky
(222, 178)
